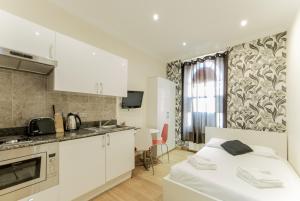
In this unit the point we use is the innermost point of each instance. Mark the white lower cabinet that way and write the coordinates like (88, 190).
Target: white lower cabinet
(119, 153)
(88, 163)
(81, 166)
(50, 194)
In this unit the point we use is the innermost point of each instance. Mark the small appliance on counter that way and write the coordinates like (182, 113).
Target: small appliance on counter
(73, 122)
(59, 124)
(41, 126)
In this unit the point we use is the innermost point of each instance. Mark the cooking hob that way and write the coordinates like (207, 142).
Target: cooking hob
(14, 139)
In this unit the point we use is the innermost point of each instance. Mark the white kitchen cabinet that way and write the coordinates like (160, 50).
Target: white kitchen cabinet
(50, 194)
(81, 166)
(24, 36)
(111, 73)
(88, 163)
(161, 109)
(87, 69)
(119, 153)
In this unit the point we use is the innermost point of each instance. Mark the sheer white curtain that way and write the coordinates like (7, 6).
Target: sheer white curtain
(204, 96)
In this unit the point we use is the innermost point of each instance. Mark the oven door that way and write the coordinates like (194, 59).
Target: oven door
(21, 172)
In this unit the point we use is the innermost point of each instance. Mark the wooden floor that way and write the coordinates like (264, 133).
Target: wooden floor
(144, 186)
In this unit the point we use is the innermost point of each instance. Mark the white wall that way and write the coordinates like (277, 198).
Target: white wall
(141, 65)
(293, 94)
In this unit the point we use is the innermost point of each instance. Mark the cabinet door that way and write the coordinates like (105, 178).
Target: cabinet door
(81, 166)
(21, 35)
(75, 67)
(119, 153)
(113, 74)
(87, 69)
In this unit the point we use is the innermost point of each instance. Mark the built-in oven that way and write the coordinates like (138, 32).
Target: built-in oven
(28, 170)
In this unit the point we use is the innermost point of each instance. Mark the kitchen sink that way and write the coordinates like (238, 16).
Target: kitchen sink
(107, 127)
(112, 126)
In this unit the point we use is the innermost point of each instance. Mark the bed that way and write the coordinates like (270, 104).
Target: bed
(186, 183)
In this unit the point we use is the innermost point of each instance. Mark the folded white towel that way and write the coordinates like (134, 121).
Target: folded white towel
(201, 163)
(259, 178)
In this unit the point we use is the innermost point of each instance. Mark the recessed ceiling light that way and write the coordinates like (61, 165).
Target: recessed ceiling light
(184, 44)
(93, 53)
(244, 23)
(155, 17)
(37, 33)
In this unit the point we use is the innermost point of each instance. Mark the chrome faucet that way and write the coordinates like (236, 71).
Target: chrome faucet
(105, 123)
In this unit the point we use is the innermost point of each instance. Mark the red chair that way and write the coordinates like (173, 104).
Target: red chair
(163, 140)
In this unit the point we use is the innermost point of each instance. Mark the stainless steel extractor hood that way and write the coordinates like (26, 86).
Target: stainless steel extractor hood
(17, 60)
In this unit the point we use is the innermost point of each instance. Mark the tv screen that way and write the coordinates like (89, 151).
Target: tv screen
(133, 100)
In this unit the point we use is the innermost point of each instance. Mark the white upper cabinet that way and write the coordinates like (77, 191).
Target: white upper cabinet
(74, 71)
(112, 73)
(24, 36)
(80, 67)
(87, 69)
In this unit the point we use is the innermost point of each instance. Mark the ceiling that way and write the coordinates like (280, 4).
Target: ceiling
(205, 25)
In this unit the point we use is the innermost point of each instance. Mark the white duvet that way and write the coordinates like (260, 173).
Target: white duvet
(223, 183)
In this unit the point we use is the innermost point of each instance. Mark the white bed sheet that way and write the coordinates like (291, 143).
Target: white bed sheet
(225, 185)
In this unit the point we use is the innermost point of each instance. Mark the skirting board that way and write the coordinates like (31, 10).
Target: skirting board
(88, 196)
(173, 191)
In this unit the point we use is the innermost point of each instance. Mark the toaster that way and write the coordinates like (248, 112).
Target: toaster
(41, 126)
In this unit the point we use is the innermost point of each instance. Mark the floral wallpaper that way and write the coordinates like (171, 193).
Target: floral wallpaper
(257, 84)
(174, 74)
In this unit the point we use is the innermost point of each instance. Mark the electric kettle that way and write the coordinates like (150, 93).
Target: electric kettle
(73, 122)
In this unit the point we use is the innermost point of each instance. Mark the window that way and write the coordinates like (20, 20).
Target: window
(203, 95)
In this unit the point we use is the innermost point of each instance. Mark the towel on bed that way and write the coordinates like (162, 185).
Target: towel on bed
(201, 163)
(259, 178)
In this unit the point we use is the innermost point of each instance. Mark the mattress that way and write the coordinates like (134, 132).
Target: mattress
(225, 185)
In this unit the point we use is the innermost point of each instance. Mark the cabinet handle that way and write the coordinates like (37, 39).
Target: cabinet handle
(101, 88)
(103, 141)
(97, 88)
(51, 52)
(108, 139)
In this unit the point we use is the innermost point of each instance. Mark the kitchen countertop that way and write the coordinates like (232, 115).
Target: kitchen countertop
(77, 134)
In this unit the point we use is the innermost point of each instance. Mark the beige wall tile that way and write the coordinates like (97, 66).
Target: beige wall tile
(29, 86)
(5, 85)
(5, 99)
(5, 114)
(59, 99)
(24, 111)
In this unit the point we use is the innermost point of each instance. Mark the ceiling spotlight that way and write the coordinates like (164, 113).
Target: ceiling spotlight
(244, 23)
(37, 33)
(184, 44)
(155, 17)
(93, 53)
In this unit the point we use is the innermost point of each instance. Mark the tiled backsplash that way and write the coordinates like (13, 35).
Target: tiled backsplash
(24, 96)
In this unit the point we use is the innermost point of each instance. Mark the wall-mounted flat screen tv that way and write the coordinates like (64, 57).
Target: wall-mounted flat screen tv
(133, 100)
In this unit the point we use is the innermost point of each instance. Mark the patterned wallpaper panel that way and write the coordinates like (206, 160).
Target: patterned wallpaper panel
(174, 74)
(257, 84)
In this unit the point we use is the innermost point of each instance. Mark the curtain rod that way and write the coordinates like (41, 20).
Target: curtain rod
(202, 56)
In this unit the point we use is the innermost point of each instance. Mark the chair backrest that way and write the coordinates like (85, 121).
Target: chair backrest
(164, 133)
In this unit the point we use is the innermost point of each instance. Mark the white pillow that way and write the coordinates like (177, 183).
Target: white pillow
(263, 151)
(215, 143)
